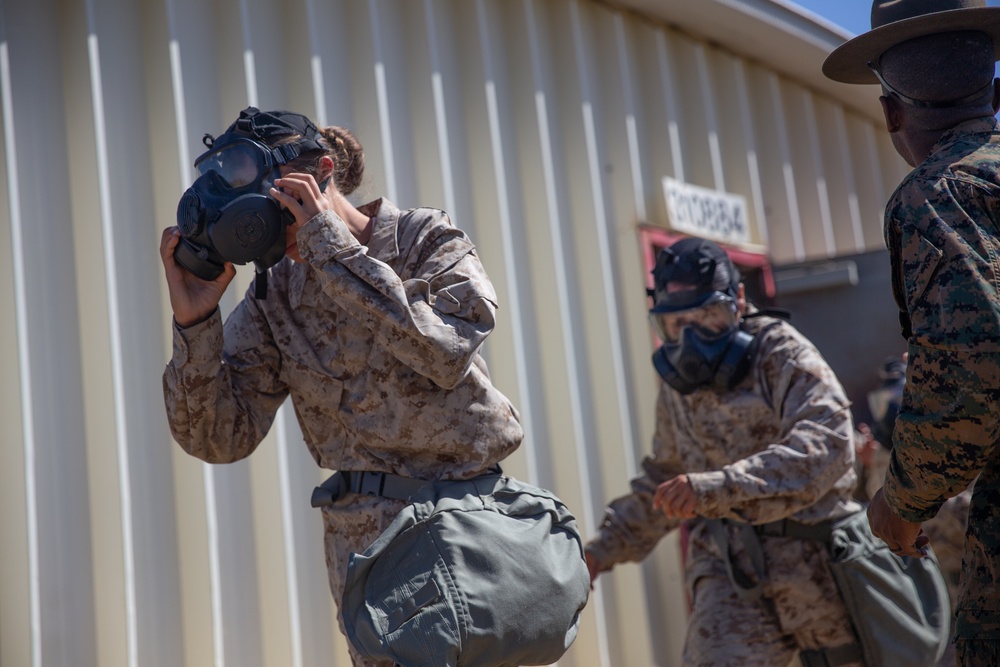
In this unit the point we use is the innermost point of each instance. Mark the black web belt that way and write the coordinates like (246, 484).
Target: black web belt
(819, 532)
(365, 483)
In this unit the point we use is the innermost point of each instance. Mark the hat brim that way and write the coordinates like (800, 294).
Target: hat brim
(848, 63)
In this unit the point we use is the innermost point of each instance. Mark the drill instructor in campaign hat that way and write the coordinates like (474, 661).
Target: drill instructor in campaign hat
(935, 61)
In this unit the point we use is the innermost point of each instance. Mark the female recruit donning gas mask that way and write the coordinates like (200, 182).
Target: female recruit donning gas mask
(227, 215)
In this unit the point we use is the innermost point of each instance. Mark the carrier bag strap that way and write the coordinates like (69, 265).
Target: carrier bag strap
(746, 591)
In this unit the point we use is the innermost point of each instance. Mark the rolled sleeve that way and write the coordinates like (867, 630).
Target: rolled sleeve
(199, 345)
(946, 430)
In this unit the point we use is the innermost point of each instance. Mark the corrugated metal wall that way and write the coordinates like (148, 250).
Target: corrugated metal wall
(543, 126)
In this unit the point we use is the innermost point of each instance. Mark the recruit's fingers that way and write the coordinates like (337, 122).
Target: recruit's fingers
(919, 549)
(304, 182)
(680, 509)
(659, 495)
(310, 199)
(912, 551)
(685, 508)
(673, 488)
(168, 242)
(288, 199)
(227, 275)
(300, 207)
(668, 497)
(679, 499)
(168, 239)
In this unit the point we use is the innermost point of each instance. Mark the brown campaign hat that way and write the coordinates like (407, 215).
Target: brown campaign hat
(896, 21)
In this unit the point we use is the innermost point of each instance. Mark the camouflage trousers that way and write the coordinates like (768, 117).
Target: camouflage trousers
(977, 619)
(351, 525)
(947, 534)
(801, 608)
(977, 653)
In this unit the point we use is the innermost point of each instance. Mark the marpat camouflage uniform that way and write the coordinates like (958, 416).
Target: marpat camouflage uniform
(378, 347)
(947, 534)
(777, 446)
(941, 231)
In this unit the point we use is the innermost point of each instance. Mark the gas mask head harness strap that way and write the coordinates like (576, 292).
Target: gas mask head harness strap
(695, 314)
(227, 214)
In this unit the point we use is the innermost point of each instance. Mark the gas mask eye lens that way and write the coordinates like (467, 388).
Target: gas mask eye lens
(238, 164)
(713, 320)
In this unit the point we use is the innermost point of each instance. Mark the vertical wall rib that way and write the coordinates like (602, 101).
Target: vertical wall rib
(114, 328)
(670, 95)
(819, 168)
(23, 346)
(384, 115)
(511, 255)
(850, 181)
(787, 168)
(708, 104)
(753, 167)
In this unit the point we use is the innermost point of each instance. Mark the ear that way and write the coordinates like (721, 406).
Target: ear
(892, 113)
(741, 300)
(996, 96)
(325, 168)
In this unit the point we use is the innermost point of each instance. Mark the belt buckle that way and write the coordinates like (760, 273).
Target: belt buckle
(371, 483)
(329, 491)
(774, 529)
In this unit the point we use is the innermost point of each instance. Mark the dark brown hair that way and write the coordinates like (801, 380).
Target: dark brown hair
(346, 152)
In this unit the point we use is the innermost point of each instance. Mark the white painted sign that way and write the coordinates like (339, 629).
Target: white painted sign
(698, 211)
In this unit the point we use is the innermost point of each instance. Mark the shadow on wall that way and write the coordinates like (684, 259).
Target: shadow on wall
(845, 307)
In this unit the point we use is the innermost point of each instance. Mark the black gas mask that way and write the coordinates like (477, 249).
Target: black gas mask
(227, 215)
(702, 346)
(696, 318)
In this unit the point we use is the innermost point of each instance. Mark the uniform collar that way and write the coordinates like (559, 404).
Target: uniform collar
(383, 244)
(983, 125)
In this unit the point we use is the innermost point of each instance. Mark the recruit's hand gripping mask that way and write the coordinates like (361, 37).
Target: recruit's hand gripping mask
(227, 215)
